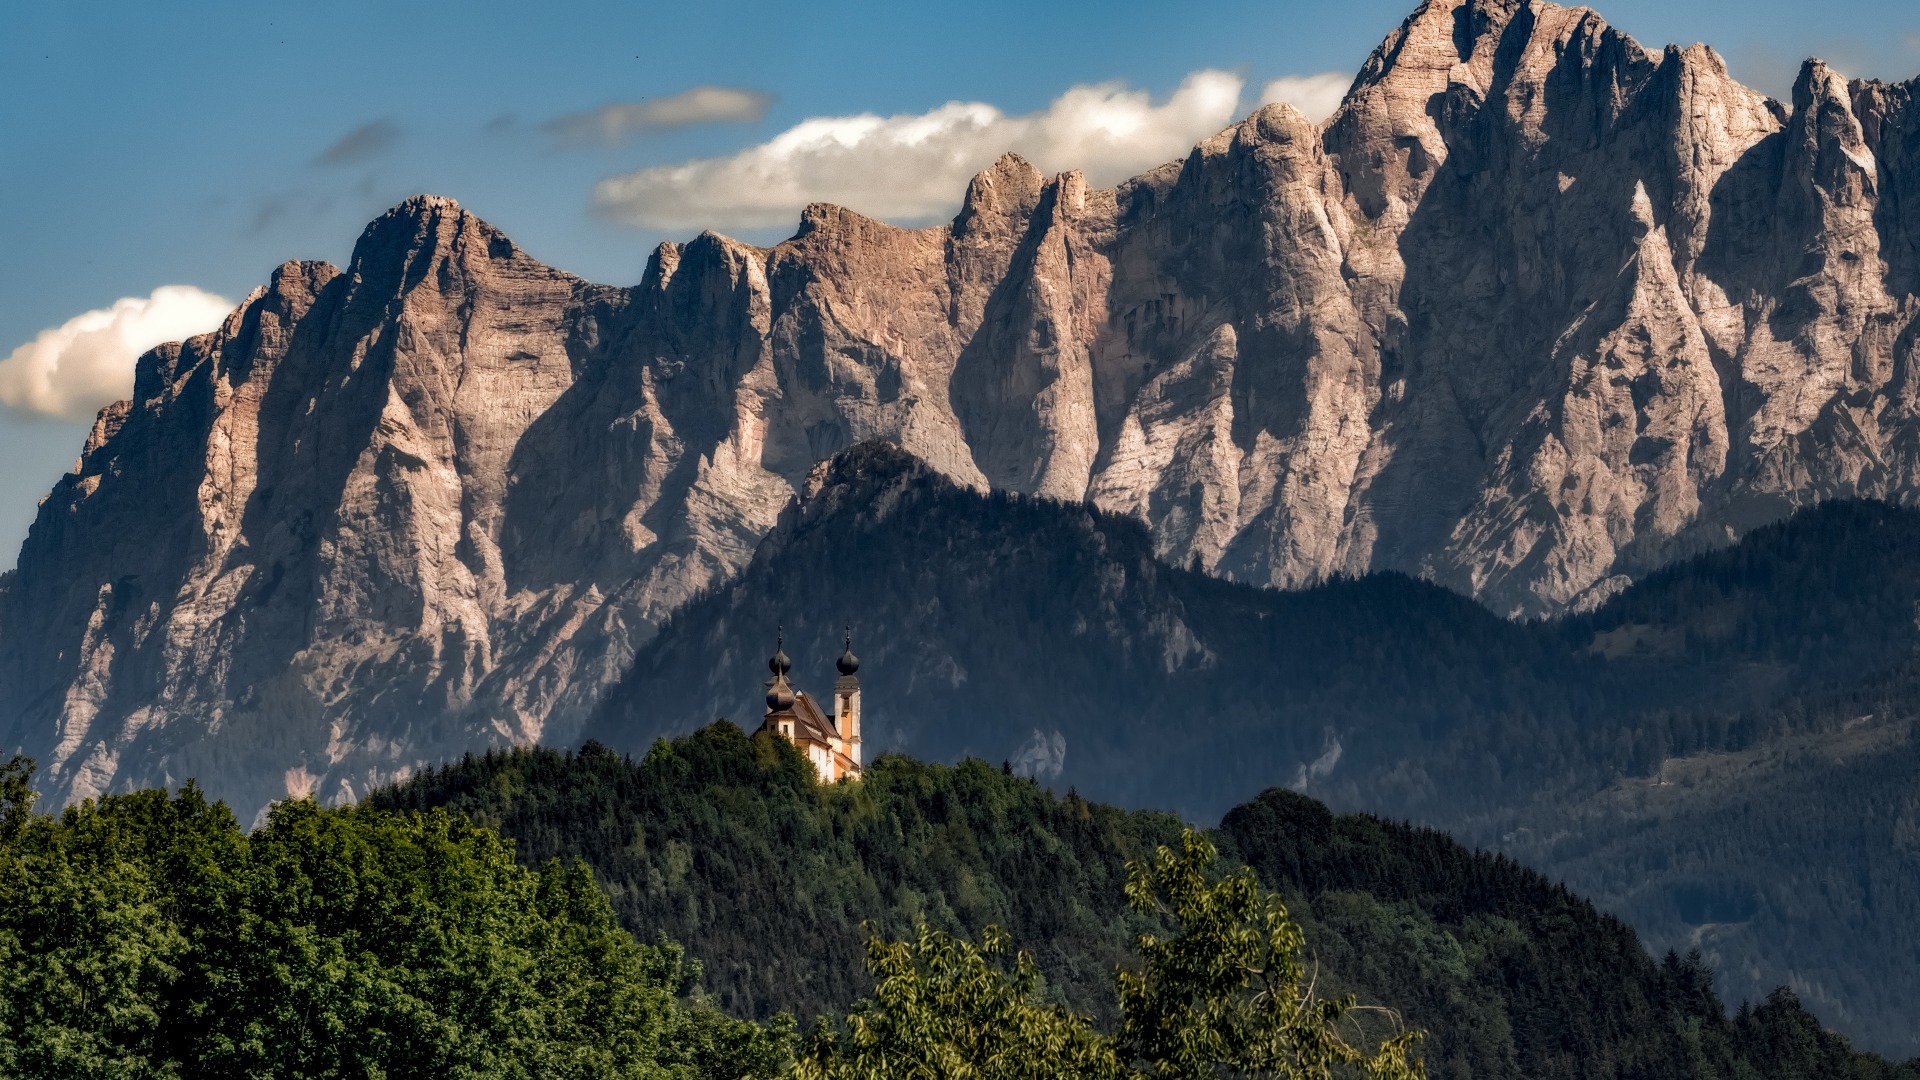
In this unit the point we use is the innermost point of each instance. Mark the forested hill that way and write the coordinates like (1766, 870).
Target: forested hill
(1048, 636)
(1819, 602)
(725, 843)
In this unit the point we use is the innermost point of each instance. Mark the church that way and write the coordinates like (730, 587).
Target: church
(832, 743)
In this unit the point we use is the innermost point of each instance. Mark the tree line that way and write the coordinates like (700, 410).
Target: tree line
(145, 935)
(725, 842)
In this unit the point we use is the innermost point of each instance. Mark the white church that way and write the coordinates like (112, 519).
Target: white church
(831, 742)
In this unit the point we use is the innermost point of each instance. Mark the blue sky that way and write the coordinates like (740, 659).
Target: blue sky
(148, 145)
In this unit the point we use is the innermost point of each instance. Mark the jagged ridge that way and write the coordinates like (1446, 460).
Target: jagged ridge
(1536, 310)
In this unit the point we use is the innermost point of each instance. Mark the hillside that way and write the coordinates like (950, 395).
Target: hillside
(1791, 857)
(1769, 816)
(1047, 636)
(727, 845)
(1051, 627)
(1537, 311)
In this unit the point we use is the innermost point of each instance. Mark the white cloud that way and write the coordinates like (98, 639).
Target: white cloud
(1317, 96)
(916, 167)
(616, 120)
(70, 371)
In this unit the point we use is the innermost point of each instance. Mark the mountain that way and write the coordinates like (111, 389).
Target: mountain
(1047, 634)
(1001, 626)
(1793, 861)
(1535, 312)
(1723, 754)
(1771, 819)
(727, 845)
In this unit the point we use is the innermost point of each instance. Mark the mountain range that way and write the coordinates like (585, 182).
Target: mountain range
(1535, 312)
(1436, 459)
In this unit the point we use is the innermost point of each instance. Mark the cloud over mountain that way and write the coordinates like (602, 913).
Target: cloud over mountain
(68, 372)
(912, 167)
(1314, 95)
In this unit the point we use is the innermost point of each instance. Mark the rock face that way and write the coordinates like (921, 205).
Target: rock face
(1535, 311)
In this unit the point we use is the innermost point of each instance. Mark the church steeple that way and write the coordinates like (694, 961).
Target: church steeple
(780, 695)
(779, 664)
(846, 699)
(848, 663)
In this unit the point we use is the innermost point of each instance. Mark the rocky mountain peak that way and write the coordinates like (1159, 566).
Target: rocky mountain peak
(413, 225)
(1830, 135)
(430, 239)
(661, 265)
(1006, 191)
(1277, 122)
(1383, 134)
(1534, 312)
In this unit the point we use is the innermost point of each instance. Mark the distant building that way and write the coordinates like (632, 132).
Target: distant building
(832, 743)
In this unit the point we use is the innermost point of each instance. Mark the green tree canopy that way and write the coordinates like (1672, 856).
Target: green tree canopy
(145, 935)
(943, 1010)
(1226, 994)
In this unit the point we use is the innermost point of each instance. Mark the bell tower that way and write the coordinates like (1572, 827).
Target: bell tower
(846, 700)
(780, 695)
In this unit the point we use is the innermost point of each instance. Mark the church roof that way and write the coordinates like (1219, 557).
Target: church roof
(814, 724)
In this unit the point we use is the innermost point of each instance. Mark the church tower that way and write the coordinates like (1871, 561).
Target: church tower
(780, 696)
(846, 701)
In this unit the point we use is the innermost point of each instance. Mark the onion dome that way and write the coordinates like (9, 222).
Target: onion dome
(848, 663)
(779, 665)
(779, 695)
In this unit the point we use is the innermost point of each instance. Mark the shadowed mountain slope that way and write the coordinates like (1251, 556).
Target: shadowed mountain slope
(1535, 312)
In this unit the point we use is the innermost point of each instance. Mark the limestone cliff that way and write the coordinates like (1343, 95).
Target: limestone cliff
(1536, 310)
